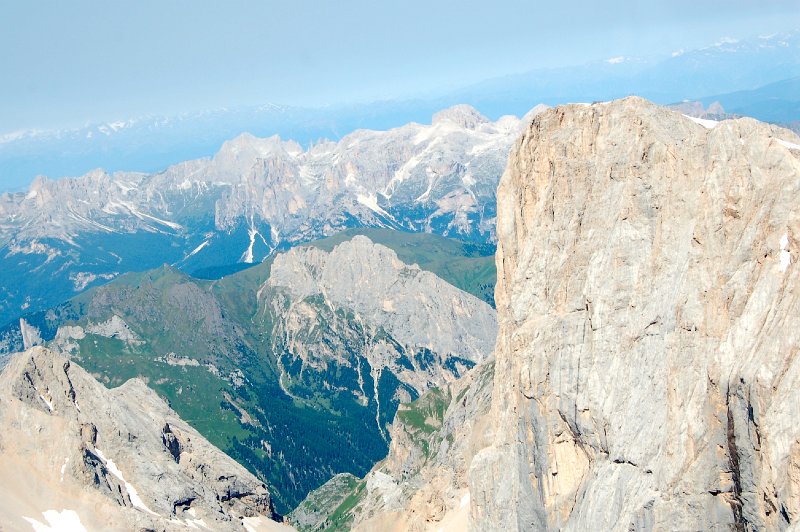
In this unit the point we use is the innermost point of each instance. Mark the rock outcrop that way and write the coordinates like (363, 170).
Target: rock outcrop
(76, 452)
(647, 371)
(363, 322)
(415, 307)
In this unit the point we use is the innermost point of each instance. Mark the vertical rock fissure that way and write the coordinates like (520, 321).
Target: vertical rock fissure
(740, 523)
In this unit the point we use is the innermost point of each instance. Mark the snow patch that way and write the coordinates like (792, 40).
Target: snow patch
(786, 256)
(64, 468)
(248, 254)
(63, 521)
(125, 187)
(708, 124)
(132, 493)
(726, 40)
(464, 501)
(616, 60)
(371, 202)
(435, 131)
(144, 216)
(790, 145)
(197, 249)
(194, 522)
(48, 403)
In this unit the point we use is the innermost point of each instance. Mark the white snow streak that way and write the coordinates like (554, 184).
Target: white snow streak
(63, 521)
(708, 124)
(197, 249)
(790, 145)
(64, 468)
(464, 501)
(786, 257)
(248, 255)
(132, 493)
(372, 203)
(48, 403)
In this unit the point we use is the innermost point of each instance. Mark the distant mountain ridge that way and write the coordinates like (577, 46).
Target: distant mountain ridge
(253, 197)
(149, 144)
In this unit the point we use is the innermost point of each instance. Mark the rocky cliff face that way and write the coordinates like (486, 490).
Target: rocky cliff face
(401, 318)
(647, 369)
(75, 453)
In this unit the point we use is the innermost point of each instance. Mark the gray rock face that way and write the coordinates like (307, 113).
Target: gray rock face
(112, 459)
(315, 510)
(414, 306)
(647, 369)
(423, 482)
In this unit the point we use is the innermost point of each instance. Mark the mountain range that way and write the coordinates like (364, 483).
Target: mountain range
(640, 371)
(253, 197)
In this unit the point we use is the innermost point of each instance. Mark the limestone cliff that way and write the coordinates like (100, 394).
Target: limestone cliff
(647, 371)
(81, 457)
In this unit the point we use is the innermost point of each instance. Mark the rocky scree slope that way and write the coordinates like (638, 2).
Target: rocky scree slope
(294, 367)
(647, 372)
(254, 196)
(74, 451)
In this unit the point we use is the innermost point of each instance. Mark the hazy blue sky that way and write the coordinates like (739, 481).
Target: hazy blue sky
(68, 62)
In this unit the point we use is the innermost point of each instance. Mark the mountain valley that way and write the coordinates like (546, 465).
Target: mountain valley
(315, 347)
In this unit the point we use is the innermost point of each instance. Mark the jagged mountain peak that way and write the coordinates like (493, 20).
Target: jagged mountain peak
(110, 459)
(249, 147)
